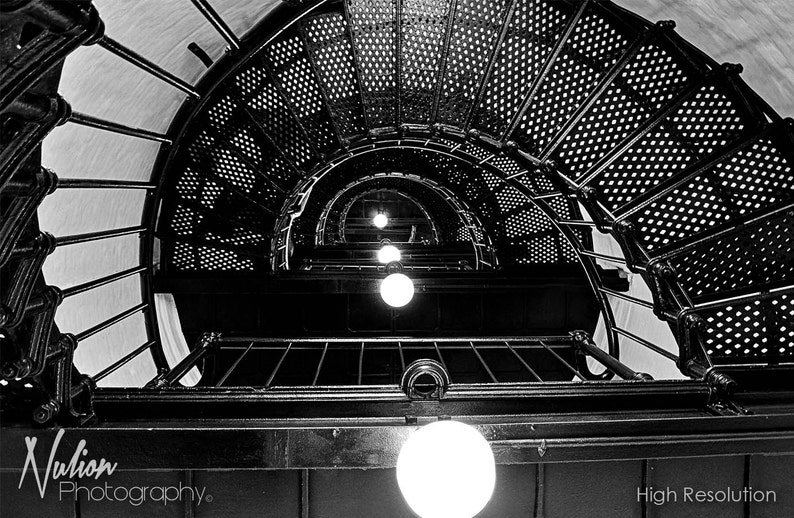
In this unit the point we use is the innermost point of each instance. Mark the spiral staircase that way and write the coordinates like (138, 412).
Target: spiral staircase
(521, 110)
(524, 127)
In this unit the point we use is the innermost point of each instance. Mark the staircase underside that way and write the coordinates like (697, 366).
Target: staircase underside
(523, 112)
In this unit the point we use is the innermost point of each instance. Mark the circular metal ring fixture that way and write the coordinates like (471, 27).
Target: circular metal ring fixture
(425, 379)
(394, 267)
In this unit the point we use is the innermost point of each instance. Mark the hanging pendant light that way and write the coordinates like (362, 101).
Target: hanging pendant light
(446, 470)
(397, 289)
(388, 254)
(380, 220)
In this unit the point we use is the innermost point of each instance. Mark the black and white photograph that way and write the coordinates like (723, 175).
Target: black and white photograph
(397, 258)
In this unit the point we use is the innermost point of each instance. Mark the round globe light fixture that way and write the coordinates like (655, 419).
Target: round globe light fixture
(388, 254)
(397, 290)
(446, 470)
(380, 220)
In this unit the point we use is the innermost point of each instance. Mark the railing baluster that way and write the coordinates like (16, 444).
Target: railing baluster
(482, 361)
(109, 322)
(566, 364)
(121, 362)
(603, 257)
(576, 223)
(95, 236)
(80, 288)
(114, 127)
(629, 298)
(361, 363)
(441, 358)
(90, 183)
(217, 22)
(320, 365)
(645, 343)
(523, 362)
(278, 365)
(234, 366)
(402, 355)
(548, 195)
(144, 64)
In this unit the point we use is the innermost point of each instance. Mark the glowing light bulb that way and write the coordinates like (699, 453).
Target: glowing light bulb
(388, 254)
(446, 470)
(397, 290)
(380, 220)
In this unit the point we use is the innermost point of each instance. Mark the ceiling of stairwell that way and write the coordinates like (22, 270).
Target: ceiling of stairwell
(99, 84)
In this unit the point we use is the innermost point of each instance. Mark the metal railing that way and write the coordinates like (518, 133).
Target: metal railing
(470, 360)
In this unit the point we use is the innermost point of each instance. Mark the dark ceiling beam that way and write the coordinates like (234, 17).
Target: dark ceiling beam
(689, 397)
(153, 446)
(366, 282)
(633, 428)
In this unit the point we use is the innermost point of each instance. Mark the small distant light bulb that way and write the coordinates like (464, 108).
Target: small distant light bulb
(397, 290)
(380, 220)
(446, 470)
(388, 254)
